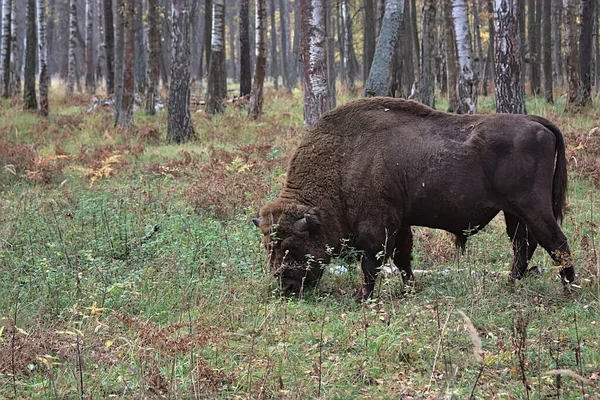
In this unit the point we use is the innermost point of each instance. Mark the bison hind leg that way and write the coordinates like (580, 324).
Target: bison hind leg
(523, 244)
(402, 254)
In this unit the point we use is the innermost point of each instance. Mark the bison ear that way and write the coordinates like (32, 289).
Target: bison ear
(256, 222)
(310, 220)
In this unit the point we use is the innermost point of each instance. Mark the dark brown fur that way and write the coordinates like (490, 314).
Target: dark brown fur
(371, 168)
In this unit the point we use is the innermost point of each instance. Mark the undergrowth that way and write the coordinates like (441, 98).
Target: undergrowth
(129, 268)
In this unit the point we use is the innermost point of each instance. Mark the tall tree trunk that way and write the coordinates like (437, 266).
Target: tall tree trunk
(274, 56)
(416, 46)
(232, 47)
(256, 96)
(597, 46)
(451, 57)
(180, 128)
(72, 47)
(15, 60)
(477, 40)
(284, 24)
(214, 100)
(90, 77)
(330, 43)
(296, 58)
(547, 50)
(166, 48)
(427, 78)
(467, 84)
(208, 29)
(557, 41)
(534, 40)
(350, 55)
(489, 61)
(29, 95)
(574, 92)
(6, 48)
(408, 63)
(119, 55)
(109, 47)
(585, 50)
(369, 38)
(101, 45)
(126, 115)
(314, 62)
(509, 92)
(376, 84)
(153, 57)
(140, 49)
(44, 77)
(245, 60)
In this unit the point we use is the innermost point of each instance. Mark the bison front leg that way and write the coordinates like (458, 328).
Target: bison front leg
(523, 244)
(370, 267)
(403, 254)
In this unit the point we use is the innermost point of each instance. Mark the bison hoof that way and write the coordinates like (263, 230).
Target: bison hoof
(536, 270)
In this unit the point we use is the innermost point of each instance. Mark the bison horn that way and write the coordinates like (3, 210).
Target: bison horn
(256, 222)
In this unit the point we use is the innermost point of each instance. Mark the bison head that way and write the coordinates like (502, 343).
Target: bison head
(294, 244)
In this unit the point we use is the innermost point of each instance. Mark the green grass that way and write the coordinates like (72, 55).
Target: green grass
(146, 278)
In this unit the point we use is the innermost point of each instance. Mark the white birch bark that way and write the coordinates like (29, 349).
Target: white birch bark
(15, 59)
(256, 95)
(6, 51)
(214, 101)
(467, 83)
(72, 47)
(42, 11)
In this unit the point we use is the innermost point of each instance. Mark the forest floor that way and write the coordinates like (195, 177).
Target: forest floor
(129, 268)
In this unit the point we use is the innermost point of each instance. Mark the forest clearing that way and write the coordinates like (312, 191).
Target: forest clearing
(130, 267)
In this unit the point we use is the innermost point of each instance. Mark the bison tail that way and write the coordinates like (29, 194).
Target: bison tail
(560, 182)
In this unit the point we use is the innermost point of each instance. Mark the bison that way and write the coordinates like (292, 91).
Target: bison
(372, 168)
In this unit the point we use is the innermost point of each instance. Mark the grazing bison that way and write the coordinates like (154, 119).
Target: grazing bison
(370, 169)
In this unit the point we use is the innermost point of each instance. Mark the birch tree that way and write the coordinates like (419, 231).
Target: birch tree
(29, 95)
(314, 60)
(42, 11)
(72, 47)
(153, 57)
(427, 78)
(256, 95)
(214, 93)
(5, 53)
(245, 60)
(376, 84)
(467, 82)
(507, 77)
(90, 77)
(15, 58)
(180, 128)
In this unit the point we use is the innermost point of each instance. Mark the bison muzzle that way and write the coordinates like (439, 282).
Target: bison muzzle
(372, 168)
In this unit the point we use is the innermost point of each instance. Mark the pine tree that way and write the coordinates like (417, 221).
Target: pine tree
(29, 95)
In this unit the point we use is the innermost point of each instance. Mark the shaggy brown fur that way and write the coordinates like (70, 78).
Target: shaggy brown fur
(372, 168)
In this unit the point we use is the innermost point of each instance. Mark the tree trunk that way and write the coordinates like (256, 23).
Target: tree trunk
(256, 96)
(109, 47)
(585, 51)
(101, 45)
(166, 48)
(416, 50)
(15, 60)
(245, 60)
(508, 82)
(451, 57)
(90, 77)
(214, 101)
(427, 78)
(274, 56)
(467, 84)
(153, 57)
(574, 91)
(408, 62)
(42, 10)
(140, 49)
(368, 38)
(314, 62)
(296, 58)
(208, 29)
(331, 72)
(350, 56)
(180, 128)
(6, 48)
(29, 95)
(233, 48)
(119, 55)
(72, 47)
(534, 56)
(547, 50)
(376, 84)
(489, 61)
(284, 23)
(557, 41)
(125, 116)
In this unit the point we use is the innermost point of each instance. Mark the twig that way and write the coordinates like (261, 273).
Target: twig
(570, 373)
(321, 351)
(439, 345)
(578, 358)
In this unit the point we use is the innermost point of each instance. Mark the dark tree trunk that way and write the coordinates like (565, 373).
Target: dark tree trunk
(245, 59)
(15, 59)
(72, 74)
(6, 48)
(284, 23)
(274, 55)
(557, 20)
(509, 92)
(256, 96)
(125, 116)
(109, 39)
(29, 95)
(101, 44)
(585, 50)
(314, 61)
(547, 49)
(489, 61)
(368, 38)
(408, 72)
(296, 62)
(214, 95)
(331, 73)
(119, 50)
(180, 128)
(90, 76)
(42, 10)
(166, 47)
(534, 40)
(233, 70)
(153, 56)
(416, 47)
(376, 84)
(350, 56)
(427, 75)
(140, 49)
(574, 93)
(208, 27)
